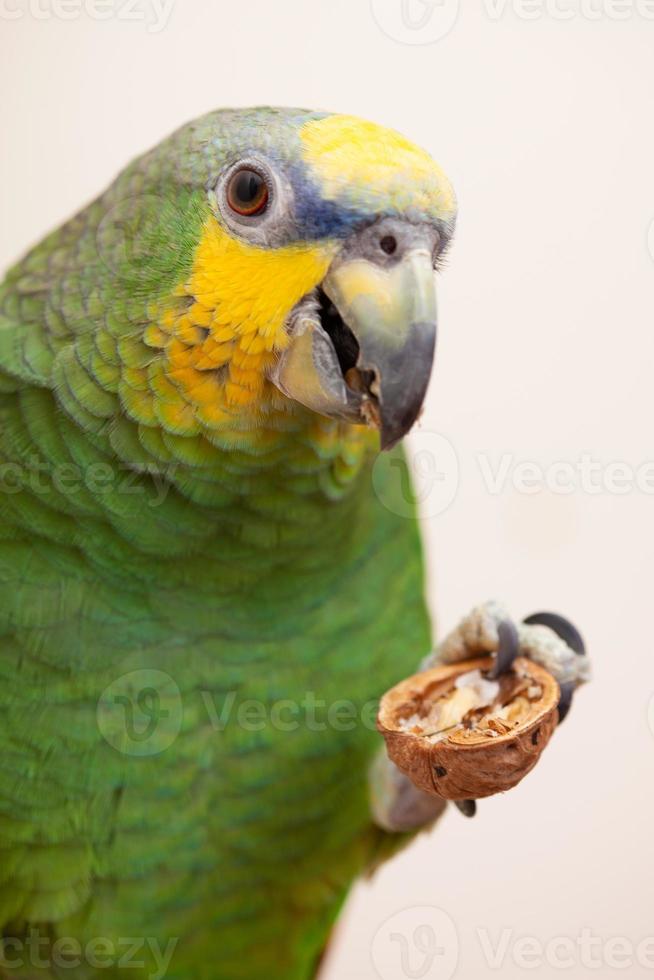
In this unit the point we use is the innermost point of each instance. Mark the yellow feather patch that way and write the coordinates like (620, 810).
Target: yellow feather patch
(361, 157)
(253, 289)
(231, 314)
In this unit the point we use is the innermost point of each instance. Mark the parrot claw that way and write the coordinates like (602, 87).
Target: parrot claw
(507, 651)
(563, 628)
(467, 807)
(570, 635)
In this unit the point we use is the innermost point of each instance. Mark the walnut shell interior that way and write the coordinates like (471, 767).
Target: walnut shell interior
(460, 736)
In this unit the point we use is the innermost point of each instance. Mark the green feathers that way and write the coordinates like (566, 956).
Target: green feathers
(243, 562)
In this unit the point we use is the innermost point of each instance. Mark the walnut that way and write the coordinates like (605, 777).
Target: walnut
(461, 736)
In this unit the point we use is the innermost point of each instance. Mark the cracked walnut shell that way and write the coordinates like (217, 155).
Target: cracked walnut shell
(459, 735)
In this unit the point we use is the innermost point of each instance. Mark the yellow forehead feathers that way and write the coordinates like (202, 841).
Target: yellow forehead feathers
(348, 155)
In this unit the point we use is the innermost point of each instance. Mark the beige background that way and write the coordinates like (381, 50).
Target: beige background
(545, 126)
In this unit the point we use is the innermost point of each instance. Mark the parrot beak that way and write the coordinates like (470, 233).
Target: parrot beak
(363, 345)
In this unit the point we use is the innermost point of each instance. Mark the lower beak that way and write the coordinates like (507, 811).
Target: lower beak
(392, 314)
(366, 356)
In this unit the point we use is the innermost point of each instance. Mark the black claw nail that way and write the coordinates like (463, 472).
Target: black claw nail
(467, 807)
(565, 701)
(562, 627)
(507, 651)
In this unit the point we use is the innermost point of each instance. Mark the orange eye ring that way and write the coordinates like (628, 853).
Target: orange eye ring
(247, 193)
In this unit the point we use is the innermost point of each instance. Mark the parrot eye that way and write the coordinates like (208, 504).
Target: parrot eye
(254, 200)
(247, 192)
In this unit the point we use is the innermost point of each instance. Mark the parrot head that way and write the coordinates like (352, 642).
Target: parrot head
(309, 244)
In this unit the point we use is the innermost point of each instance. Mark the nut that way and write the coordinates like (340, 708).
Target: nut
(458, 735)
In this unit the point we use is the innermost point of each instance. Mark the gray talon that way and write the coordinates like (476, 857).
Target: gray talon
(563, 628)
(507, 651)
(467, 807)
(565, 701)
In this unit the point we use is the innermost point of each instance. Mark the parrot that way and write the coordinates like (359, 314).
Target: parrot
(210, 564)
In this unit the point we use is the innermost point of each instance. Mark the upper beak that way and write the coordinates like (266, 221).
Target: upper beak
(368, 356)
(392, 313)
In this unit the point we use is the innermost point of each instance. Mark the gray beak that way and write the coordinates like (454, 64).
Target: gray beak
(364, 353)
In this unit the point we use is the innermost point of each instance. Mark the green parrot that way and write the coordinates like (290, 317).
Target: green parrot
(209, 573)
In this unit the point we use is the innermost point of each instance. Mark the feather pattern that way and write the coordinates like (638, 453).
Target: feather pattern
(167, 519)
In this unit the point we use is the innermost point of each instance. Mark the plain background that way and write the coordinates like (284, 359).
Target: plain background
(545, 126)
